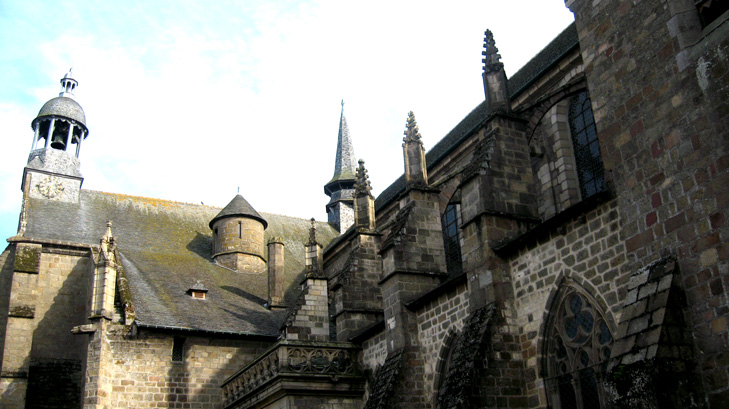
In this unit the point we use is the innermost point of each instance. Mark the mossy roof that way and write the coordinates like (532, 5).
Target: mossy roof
(166, 247)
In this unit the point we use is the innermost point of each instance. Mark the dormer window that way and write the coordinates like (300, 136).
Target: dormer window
(198, 291)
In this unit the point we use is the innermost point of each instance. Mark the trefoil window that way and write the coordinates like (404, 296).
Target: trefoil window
(578, 345)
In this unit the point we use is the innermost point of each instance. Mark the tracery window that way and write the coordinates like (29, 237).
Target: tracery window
(587, 148)
(578, 345)
(452, 238)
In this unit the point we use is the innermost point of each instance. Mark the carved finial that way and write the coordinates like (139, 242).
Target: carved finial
(108, 243)
(411, 132)
(491, 60)
(312, 232)
(362, 185)
(108, 234)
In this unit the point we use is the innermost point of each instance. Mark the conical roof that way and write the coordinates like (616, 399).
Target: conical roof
(344, 162)
(239, 207)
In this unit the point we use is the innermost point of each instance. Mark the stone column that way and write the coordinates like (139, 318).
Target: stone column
(276, 273)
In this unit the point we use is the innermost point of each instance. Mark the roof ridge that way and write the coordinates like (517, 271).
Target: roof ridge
(150, 198)
(307, 219)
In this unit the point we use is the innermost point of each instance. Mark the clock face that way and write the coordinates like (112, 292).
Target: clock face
(50, 188)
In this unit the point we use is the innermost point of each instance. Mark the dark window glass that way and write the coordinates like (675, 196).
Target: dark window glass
(178, 349)
(587, 149)
(451, 239)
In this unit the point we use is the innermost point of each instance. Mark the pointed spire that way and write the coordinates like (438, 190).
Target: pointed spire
(495, 84)
(411, 129)
(340, 188)
(344, 165)
(364, 202)
(313, 253)
(362, 186)
(492, 58)
(415, 168)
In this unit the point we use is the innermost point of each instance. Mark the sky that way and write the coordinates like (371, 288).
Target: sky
(192, 100)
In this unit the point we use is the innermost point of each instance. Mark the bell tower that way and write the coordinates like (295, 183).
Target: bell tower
(52, 172)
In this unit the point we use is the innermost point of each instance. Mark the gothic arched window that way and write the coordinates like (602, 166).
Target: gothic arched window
(451, 222)
(587, 148)
(578, 344)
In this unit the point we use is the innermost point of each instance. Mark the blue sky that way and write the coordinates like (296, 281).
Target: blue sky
(190, 100)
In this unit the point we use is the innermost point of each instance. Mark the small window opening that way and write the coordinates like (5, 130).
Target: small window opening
(450, 223)
(198, 290)
(710, 10)
(178, 349)
(240, 230)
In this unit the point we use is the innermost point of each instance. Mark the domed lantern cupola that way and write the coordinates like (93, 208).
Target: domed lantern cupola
(61, 121)
(238, 237)
(52, 171)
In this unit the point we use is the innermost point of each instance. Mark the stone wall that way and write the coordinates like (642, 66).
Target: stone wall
(584, 250)
(239, 244)
(49, 297)
(661, 105)
(439, 320)
(141, 373)
(356, 298)
(292, 402)
(374, 353)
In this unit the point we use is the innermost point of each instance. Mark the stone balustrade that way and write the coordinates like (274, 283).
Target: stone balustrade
(305, 361)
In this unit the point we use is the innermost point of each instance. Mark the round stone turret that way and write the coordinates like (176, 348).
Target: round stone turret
(61, 121)
(238, 237)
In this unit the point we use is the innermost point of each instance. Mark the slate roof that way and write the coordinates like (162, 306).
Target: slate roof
(344, 162)
(165, 248)
(551, 54)
(62, 106)
(385, 380)
(239, 207)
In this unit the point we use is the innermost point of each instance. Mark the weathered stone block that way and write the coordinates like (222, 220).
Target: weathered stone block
(22, 311)
(27, 258)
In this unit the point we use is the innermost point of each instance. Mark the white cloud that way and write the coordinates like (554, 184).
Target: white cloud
(189, 101)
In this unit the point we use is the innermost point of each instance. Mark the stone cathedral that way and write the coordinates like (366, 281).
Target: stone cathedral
(565, 245)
